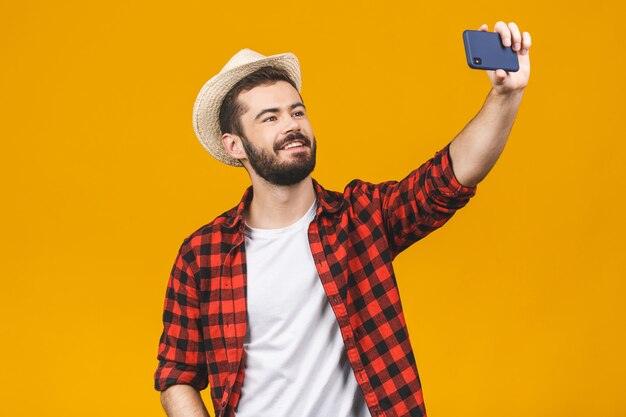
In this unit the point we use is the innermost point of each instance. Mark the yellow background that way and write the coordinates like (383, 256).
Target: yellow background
(515, 307)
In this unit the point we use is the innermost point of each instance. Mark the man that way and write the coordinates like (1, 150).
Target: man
(287, 304)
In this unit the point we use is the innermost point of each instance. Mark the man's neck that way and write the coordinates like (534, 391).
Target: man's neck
(274, 206)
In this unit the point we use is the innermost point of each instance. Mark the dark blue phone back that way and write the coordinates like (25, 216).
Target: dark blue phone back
(484, 50)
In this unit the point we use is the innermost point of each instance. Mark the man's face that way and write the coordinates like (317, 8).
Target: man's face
(278, 138)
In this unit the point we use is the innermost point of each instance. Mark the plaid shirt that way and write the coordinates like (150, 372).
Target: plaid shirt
(354, 237)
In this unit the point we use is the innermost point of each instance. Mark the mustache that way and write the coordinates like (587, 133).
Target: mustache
(291, 137)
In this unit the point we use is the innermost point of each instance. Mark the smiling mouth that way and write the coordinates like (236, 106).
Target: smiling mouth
(296, 144)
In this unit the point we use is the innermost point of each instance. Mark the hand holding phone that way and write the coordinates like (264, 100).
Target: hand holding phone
(509, 66)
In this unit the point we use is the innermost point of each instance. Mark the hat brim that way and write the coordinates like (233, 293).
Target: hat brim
(207, 106)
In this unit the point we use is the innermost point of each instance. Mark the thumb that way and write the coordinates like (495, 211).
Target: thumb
(499, 76)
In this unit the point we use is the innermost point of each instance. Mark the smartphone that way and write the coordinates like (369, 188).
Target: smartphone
(484, 50)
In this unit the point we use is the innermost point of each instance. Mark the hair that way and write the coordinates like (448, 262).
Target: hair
(231, 110)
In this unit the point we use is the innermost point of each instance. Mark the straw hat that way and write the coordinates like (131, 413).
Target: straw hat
(206, 111)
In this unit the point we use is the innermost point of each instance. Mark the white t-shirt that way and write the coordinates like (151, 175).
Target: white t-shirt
(296, 362)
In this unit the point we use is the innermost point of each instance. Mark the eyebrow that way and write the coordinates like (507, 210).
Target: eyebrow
(276, 109)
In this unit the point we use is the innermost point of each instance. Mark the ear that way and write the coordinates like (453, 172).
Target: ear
(234, 147)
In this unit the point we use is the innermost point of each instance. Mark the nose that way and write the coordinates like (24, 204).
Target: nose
(290, 125)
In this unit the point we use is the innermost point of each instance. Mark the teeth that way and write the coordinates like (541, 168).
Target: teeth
(293, 145)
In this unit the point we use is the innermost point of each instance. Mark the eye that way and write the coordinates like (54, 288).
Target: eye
(268, 119)
(298, 113)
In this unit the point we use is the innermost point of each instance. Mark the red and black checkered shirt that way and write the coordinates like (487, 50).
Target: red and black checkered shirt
(354, 237)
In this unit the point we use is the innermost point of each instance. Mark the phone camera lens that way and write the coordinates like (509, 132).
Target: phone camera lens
(477, 60)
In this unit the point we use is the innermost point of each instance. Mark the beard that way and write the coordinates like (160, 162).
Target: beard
(267, 166)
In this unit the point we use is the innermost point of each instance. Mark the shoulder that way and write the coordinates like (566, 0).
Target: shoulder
(361, 187)
(204, 239)
(356, 196)
(355, 187)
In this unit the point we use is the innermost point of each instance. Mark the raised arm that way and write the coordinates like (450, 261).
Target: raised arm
(475, 150)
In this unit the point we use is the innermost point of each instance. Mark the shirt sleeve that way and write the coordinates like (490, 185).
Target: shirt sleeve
(181, 354)
(422, 202)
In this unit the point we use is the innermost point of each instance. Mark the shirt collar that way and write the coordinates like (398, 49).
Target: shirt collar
(327, 201)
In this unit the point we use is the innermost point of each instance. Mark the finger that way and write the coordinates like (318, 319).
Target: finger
(516, 36)
(525, 43)
(484, 27)
(505, 33)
